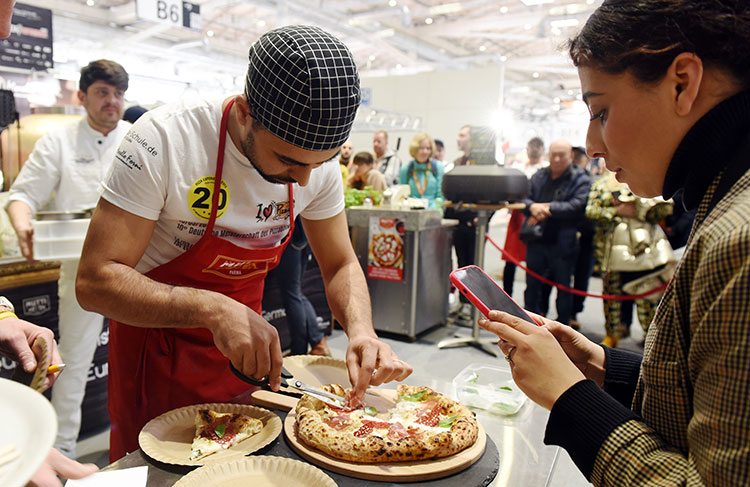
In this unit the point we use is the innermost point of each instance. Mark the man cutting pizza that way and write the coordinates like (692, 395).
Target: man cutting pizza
(199, 206)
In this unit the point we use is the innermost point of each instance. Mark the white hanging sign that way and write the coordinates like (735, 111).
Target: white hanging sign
(174, 12)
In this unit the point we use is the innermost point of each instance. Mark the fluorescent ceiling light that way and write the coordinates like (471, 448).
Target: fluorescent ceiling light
(384, 33)
(446, 8)
(531, 3)
(561, 23)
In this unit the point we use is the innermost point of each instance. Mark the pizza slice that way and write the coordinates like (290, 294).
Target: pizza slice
(218, 431)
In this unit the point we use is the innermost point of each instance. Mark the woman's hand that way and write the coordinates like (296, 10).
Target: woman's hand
(585, 354)
(540, 365)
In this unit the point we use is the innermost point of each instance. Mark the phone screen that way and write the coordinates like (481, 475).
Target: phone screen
(484, 288)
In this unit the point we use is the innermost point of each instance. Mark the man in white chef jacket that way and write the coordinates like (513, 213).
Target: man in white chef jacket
(71, 162)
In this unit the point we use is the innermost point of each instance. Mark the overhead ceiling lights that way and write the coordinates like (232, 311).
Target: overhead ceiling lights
(90, 3)
(209, 33)
(535, 74)
(504, 9)
(392, 3)
(482, 48)
(428, 20)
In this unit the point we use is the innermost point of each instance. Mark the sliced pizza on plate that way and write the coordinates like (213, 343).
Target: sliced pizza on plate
(219, 431)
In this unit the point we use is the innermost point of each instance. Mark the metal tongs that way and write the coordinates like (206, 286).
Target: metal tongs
(288, 380)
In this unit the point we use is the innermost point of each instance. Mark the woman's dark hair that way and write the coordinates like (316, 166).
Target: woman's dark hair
(363, 158)
(644, 36)
(103, 70)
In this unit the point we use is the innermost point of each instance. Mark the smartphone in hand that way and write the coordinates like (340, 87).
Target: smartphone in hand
(485, 294)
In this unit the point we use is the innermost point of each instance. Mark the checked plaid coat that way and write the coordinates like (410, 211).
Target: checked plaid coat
(694, 388)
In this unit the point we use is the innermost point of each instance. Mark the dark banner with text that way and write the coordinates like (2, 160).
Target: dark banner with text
(30, 43)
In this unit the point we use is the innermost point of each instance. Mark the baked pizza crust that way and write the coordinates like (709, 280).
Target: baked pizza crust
(333, 431)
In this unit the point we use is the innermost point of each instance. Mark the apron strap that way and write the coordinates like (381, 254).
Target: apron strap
(219, 166)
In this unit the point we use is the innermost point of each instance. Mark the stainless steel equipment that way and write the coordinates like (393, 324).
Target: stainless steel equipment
(419, 301)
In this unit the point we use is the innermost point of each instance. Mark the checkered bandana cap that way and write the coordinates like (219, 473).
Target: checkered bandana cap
(303, 86)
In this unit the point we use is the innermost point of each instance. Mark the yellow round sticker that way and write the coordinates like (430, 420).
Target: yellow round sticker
(200, 198)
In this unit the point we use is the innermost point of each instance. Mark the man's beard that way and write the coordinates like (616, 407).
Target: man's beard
(248, 148)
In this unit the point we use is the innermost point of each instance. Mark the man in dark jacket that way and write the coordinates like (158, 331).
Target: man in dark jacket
(557, 203)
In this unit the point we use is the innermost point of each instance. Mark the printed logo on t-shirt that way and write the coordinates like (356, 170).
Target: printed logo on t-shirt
(231, 268)
(128, 160)
(200, 198)
(135, 138)
(272, 211)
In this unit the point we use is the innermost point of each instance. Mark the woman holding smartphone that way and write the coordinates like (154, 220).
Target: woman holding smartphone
(667, 86)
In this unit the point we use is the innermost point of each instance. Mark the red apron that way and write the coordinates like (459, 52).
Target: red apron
(513, 244)
(154, 370)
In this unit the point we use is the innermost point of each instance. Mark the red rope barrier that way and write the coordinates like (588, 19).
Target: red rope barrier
(613, 297)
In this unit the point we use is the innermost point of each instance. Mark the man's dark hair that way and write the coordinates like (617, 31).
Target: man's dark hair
(644, 36)
(536, 141)
(439, 143)
(103, 70)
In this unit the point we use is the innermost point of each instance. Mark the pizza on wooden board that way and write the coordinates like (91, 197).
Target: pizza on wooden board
(219, 431)
(422, 424)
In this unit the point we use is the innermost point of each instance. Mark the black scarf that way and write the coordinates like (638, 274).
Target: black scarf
(719, 141)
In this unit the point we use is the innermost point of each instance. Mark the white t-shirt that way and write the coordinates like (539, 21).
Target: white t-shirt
(164, 171)
(71, 162)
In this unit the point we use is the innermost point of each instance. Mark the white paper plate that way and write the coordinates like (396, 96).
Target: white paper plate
(258, 472)
(315, 370)
(168, 438)
(29, 426)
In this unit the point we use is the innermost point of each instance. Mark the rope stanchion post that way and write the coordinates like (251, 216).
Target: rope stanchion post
(488, 345)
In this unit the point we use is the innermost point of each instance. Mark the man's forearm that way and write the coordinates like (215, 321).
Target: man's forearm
(349, 300)
(20, 214)
(124, 294)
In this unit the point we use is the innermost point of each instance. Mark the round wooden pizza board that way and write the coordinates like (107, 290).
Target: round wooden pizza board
(394, 472)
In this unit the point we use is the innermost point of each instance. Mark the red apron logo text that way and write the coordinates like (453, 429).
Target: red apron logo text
(238, 269)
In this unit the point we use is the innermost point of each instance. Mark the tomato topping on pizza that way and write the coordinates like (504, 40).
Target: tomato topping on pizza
(429, 414)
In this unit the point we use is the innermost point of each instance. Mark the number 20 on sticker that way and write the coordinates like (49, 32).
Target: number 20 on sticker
(201, 196)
